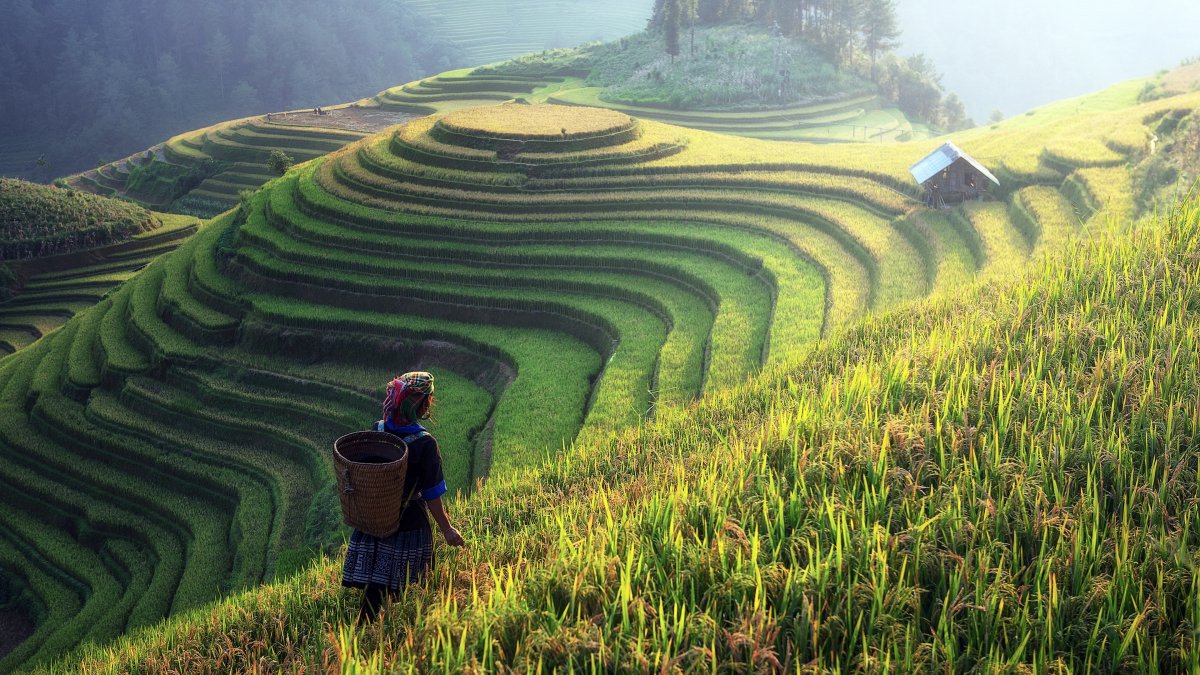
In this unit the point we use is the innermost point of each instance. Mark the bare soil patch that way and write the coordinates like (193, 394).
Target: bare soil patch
(15, 627)
(366, 120)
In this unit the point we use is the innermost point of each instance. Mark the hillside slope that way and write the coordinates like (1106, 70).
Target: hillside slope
(62, 251)
(1002, 481)
(572, 266)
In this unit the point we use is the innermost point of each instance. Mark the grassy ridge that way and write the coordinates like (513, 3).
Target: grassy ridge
(925, 492)
(37, 220)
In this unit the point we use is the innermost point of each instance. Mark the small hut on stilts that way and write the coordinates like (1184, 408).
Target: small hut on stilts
(951, 176)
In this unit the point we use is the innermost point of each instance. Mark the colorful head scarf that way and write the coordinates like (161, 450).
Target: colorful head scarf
(405, 396)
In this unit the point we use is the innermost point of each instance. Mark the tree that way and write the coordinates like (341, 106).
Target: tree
(671, 27)
(954, 113)
(218, 51)
(243, 98)
(280, 162)
(839, 35)
(691, 12)
(996, 117)
(880, 30)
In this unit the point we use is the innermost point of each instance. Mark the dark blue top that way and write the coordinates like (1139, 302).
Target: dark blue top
(423, 479)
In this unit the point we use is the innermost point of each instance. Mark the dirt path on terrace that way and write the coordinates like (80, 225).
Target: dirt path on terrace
(366, 120)
(14, 628)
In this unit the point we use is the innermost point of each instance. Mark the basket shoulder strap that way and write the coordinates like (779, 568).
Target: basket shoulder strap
(413, 438)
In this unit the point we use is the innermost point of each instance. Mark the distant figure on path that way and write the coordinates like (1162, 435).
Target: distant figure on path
(383, 567)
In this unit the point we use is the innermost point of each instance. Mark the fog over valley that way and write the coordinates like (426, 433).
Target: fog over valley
(1018, 54)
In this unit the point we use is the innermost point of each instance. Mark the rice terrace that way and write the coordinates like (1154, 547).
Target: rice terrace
(752, 352)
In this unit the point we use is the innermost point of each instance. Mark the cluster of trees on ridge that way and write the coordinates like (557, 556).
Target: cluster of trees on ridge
(85, 82)
(857, 35)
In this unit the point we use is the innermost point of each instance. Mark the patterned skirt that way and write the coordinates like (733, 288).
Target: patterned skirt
(396, 561)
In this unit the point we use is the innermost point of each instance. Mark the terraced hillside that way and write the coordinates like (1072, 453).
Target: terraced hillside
(561, 269)
(855, 118)
(202, 172)
(56, 288)
(492, 31)
(61, 251)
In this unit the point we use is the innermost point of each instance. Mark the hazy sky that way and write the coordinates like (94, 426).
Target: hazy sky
(1014, 55)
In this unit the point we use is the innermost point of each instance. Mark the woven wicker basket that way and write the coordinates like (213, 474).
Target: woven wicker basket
(370, 468)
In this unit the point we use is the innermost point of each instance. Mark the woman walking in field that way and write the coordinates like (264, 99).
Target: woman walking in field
(382, 567)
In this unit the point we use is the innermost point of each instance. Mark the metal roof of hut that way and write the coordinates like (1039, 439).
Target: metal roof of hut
(942, 158)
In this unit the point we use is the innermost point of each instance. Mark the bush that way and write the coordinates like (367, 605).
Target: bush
(279, 162)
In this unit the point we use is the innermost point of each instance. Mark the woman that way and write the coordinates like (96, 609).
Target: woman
(383, 567)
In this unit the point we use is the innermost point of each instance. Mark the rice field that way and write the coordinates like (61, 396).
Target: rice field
(999, 481)
(710, 354)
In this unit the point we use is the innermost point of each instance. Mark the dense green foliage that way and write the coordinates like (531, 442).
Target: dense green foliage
(86, 81)
(720, 67)
(724, 66)
(36, 220)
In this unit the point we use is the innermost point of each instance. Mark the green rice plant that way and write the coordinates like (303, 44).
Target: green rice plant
(144, 577)
(1050, 220)
(634, 334)
(1106, 192)
(56, 603)
(414, 142)
(866, 237)
(182, 311)
(148, 331)
(794, 280)
(844, 299)
(855, 190)
(688, 316)
(376, 157)
(119, 356)
(955, 263)
(267, 138)
(48, 373)
(72, 561)
(1003, 249)
(554, 393)
(195, 504)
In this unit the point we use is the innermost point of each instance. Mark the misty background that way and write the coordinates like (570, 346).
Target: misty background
(1013, 55)
(89, 81)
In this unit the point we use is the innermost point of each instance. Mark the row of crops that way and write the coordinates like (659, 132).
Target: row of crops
(56, 288)
(204, 171)
(862, 119)
(554, 284)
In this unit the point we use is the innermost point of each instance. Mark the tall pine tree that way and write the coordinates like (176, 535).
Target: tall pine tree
(880, 30)
(673, 12)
